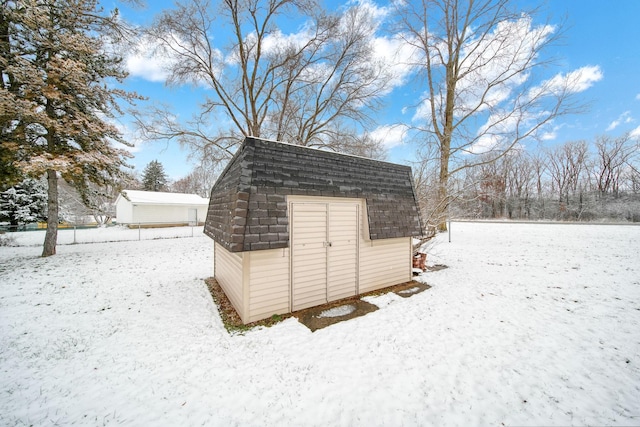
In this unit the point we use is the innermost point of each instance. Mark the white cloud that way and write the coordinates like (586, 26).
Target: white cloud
(277, 40)
(494, 66)
(153, 61)
(551, 134)
(638, 97)
(573, 82)
(147, 68)
(501, 125)
(393, 51)
(500, 128)
(129, 135)
(378, 13)
(357, 15)
(397, 55)
(624, 118)
(635, 133)
(390, 135)
(491, 135)
(146, 63)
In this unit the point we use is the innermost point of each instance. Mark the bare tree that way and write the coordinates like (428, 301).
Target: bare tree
(199, 181)
(308, 88)
(425, 180)
(539, 171)
(613, 158)
(576, 180)
(519, 180)
(567, 166)
(493, 187)
(478, 59)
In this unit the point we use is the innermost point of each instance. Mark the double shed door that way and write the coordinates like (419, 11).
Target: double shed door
(324, 252)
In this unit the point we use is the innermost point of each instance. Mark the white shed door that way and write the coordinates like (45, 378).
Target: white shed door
(193, 216)
(324, 252)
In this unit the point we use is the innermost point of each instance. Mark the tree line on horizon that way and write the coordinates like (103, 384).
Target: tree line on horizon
(572, 181)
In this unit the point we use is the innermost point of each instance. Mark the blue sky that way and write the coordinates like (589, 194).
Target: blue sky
(603, 35)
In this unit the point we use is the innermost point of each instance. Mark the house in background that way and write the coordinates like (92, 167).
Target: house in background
(296, 227)
(153, 208)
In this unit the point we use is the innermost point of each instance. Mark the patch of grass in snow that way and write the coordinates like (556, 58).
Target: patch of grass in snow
(230, 317)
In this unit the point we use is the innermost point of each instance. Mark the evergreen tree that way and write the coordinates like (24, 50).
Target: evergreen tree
(57, 66)
(24, 203)
(153, 177)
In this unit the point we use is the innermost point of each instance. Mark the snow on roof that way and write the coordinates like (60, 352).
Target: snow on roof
(160, 198)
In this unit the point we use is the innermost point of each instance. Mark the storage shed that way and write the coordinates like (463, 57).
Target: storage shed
(158, 208)
(295, 227)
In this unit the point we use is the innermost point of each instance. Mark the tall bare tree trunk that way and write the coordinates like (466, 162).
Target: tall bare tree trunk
(445, 138)
(443, 192)
(51, 237)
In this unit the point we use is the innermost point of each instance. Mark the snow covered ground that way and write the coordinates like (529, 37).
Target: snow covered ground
(530, 325)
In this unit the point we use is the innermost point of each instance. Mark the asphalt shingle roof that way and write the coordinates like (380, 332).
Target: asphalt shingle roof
(248, 205)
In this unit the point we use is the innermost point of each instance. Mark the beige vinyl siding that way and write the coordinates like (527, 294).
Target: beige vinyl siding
(228, 271)
(268, 283)
(384, 263)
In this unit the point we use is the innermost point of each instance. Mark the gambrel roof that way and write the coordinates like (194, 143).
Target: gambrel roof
(248, 205)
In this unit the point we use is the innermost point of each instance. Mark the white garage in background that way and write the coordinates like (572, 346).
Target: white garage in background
(158, 208)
